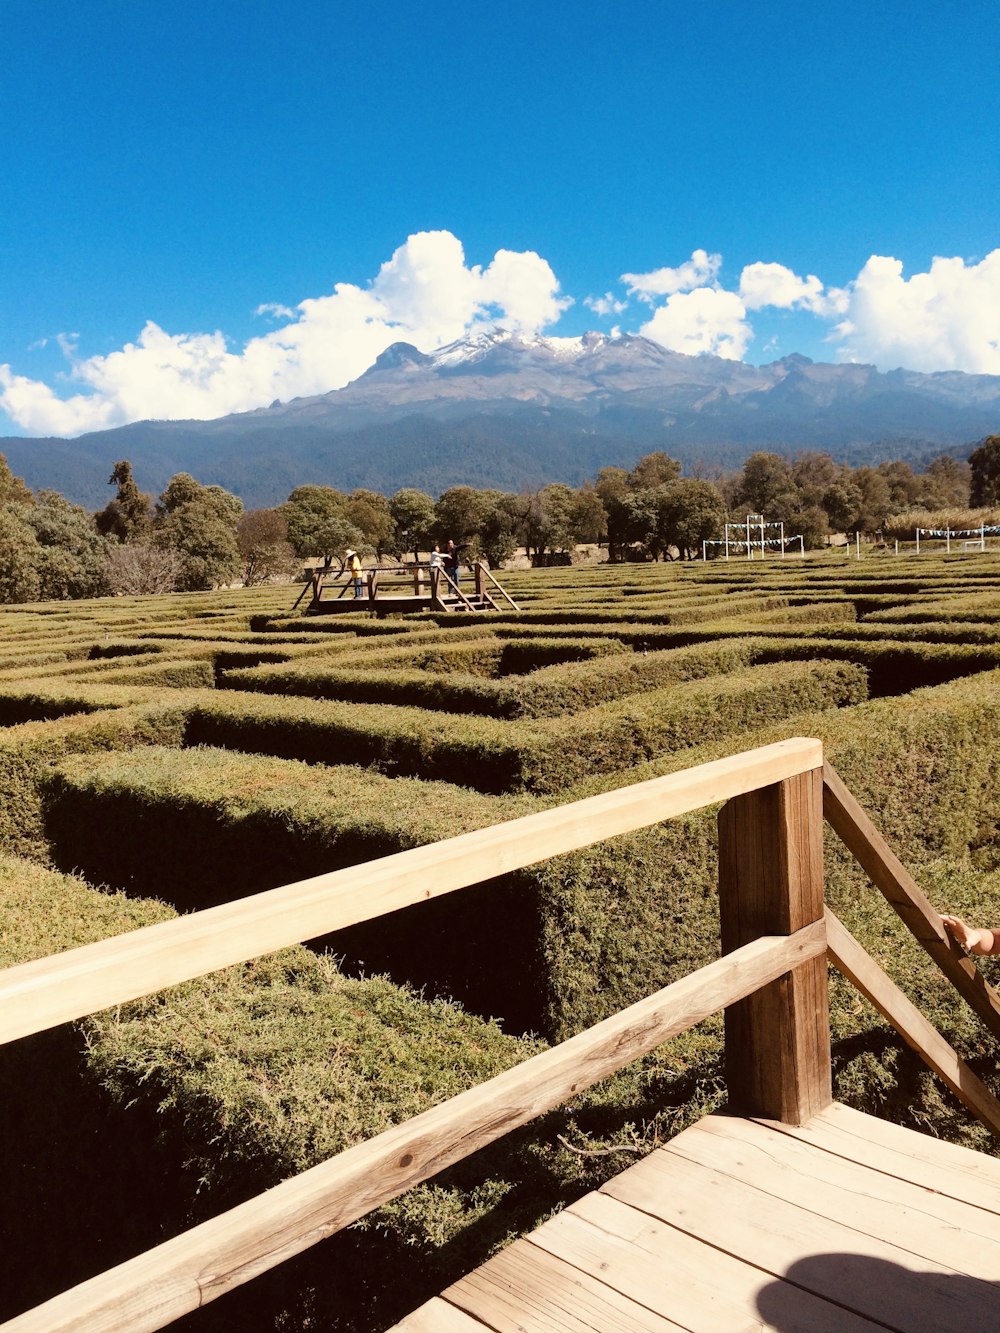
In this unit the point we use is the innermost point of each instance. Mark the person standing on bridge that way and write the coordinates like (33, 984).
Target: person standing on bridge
(354, 566)
(974, 939)
(453, 561)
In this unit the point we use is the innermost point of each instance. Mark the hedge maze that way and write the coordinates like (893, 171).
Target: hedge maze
(162, 755)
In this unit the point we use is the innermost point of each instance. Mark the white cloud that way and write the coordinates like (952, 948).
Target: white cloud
(707, 319)
(425, 294)
(275, 310)
(524, 288)
(945, 319)
(698, 271)
(775, 285)
(605, 305)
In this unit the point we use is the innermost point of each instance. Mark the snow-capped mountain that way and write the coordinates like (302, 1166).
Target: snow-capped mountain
(511, 409)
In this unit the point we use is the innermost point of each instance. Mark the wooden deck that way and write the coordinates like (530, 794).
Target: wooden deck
(846, 1223)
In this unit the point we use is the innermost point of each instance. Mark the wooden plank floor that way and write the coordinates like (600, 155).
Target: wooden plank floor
(846, 1223)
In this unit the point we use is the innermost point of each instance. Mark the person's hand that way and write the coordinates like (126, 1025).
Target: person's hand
(971, 938)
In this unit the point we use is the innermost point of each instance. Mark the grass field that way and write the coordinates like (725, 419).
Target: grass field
(160, 755)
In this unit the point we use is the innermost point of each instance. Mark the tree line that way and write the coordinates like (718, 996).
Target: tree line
(196, 537)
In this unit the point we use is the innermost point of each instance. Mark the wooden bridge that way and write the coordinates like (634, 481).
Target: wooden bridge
(791, 1213)
(396, 590)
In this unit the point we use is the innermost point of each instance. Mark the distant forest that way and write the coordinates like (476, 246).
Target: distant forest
(194, 536)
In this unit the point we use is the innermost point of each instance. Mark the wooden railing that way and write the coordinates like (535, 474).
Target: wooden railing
(482, 574)
(431, 581)
(440, 575)
(771, 982)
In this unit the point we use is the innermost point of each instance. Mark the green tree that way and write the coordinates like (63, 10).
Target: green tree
(876, 503)
(412, 513)
(72, 555)
(199, 523)
(656, 469)
(318, 524)
(500, 530)
(640, 523)
(688, 511)
(19, 578)
(809, 522)
(180, 490)
(460, 513)
(904, 485)
(612, 490)
(548, 524)
(767, 487)
(843, 504)
(128, 516)
(984, 461)
(947, 483)
(370, 513)
(13, 490)
(589, 517)
(814, 474)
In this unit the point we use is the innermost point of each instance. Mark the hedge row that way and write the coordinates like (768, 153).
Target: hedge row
(28, 752)
(189, 1100)
(495, 756)
(704, 608)
(569, 687)
(927, 766)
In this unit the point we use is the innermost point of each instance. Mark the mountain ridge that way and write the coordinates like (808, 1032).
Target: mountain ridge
(513, 410)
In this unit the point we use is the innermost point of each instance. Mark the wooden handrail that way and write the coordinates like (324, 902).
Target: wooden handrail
(861, 969)
(454, 587)
(775, 933)
(498, 585)
(868, 847)
(179, 1276)
(66, 986)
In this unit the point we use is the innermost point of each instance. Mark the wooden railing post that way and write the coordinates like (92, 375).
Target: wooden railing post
(771, 883)
(480, 579)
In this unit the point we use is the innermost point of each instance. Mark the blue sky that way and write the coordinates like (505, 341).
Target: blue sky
(184, 187)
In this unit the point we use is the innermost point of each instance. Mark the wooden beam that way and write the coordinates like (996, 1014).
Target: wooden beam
(868, 847)
(205, 1262)
(771, 881)
(40, 994)
(860, 968)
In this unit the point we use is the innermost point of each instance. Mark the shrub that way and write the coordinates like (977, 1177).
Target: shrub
(537, 756)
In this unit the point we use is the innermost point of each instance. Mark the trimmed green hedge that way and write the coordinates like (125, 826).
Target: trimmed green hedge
(704, 608)
(603, 670)
(191, 1100)
(541, 756)
(28, 752)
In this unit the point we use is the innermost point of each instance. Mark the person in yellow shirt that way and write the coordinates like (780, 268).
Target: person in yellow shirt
(353, 564)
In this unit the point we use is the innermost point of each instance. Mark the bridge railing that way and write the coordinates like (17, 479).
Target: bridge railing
(771, 981)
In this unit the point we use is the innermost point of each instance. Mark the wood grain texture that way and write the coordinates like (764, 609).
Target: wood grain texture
(525, 1290)
(671, 1272)
(205, 1262)
(438, 1316)
(771, 881)
(948, 1169)
(862, 970)
(914, 1217)
(43, 993)
(870, 849)
(872, 1276)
